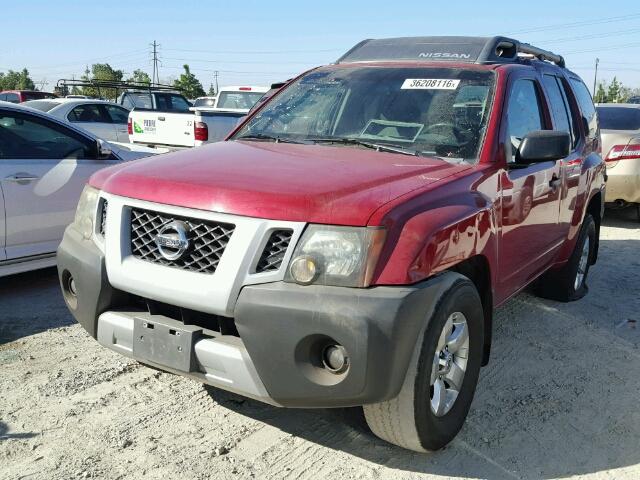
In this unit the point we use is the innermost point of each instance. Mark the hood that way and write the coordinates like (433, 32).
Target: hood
(131, 151)
(305, 183)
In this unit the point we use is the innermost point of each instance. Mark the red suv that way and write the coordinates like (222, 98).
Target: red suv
(348, 242)
(19, 96)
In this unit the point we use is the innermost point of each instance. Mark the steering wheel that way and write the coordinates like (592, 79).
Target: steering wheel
(455, 130)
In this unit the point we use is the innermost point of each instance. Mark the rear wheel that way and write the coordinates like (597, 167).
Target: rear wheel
(441, 379)
(570, 282)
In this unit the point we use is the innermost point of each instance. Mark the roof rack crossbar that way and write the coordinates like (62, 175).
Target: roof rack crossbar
(541, 54)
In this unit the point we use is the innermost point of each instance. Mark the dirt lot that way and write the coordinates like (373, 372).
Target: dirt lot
(559, 399)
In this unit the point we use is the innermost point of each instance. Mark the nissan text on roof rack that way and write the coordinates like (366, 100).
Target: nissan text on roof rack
(348, 243)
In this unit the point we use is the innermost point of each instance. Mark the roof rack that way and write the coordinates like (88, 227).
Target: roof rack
(63, 86)
(480, 50)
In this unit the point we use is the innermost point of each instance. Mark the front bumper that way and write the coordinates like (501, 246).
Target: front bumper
(282, 329)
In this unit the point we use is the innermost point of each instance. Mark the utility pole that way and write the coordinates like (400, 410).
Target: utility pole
(595, 77)
(215, 76)
(155, 79)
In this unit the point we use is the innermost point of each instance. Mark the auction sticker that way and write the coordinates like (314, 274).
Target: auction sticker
(430, 84)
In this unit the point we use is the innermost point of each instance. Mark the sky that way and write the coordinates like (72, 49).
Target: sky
(259, 42)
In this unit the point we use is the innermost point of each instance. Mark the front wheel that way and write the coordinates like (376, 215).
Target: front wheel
(441, 379)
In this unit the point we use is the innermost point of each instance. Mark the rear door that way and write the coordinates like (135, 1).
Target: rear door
(119, 117)
(43, 168)
(530, 232)
(93, 118)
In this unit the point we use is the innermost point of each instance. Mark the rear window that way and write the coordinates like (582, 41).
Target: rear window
(171, 102)
(41, 105)
(137, 100)
(619, 118)
(242, 100)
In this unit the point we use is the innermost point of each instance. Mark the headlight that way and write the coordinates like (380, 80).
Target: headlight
(86, 211)
(341, 256)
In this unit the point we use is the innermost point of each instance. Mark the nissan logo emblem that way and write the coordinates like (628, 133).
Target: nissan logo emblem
(172, 240)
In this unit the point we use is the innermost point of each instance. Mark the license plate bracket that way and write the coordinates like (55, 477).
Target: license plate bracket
(165, 342)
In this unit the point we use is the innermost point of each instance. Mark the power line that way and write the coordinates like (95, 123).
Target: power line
(588, 37)
(202, 60)
(254, 52)
(582, 23)
(608, 47)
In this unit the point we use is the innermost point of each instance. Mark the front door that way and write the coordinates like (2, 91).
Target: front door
(94, 118)
(43, 169)
(530, 233)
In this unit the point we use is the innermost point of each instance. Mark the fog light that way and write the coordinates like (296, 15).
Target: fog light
(72, 287)
(304, 270)
(335, 359)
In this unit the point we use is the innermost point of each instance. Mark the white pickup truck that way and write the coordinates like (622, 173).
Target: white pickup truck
(197, 125)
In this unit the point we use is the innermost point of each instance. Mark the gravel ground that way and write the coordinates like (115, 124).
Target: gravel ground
(559, 399)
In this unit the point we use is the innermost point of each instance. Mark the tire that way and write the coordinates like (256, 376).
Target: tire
(409, 420)
(569, 283)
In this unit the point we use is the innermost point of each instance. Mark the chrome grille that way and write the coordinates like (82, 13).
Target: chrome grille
(274, 251)
(103, 216)
(208, 240)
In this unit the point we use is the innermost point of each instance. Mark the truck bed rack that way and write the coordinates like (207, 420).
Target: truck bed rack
(479, 50)
(64, 85)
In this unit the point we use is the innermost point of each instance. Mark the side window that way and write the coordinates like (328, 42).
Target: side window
(586, 106)
(3, 97)
(524, 114)
(126, 102)
(87, 114)
(559, 107)
(13, 97)
(117, 114)
(574, 115)
(28, 137)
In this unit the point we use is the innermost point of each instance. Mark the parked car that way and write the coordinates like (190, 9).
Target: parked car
(44, 164)
(19, 96)
(620, 128)
(348, 243)
(205, 125)
(104, 119)
(634, 100)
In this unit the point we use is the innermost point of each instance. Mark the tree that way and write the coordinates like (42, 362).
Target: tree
(140, 77)
(614, 90)
(16, 80)
(601, 94)
(189, 84)
(101, 71)
(212, 91)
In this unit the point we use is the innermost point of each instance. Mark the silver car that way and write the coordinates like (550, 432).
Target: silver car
(44, 165)
(104, 119)
(620, 130)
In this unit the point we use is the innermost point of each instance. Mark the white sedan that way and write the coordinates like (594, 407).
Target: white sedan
(44, 165)
(105, 120)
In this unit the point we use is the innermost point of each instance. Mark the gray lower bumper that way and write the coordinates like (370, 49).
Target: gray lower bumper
(222, 361)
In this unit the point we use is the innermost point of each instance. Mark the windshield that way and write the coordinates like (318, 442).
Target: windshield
(429, 111)
(619, 118)
(241, 100)
(41, 105)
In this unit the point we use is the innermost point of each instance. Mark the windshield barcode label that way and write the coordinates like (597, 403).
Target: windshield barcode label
(430, 84)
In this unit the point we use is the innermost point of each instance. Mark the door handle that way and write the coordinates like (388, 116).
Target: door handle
(161, 119)
(21, 178)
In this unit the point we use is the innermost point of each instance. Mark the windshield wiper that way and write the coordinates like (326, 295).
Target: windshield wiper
(262, 136)
(375, 146)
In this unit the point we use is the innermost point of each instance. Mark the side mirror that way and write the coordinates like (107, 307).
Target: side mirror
(543, 146)
(104, 149)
